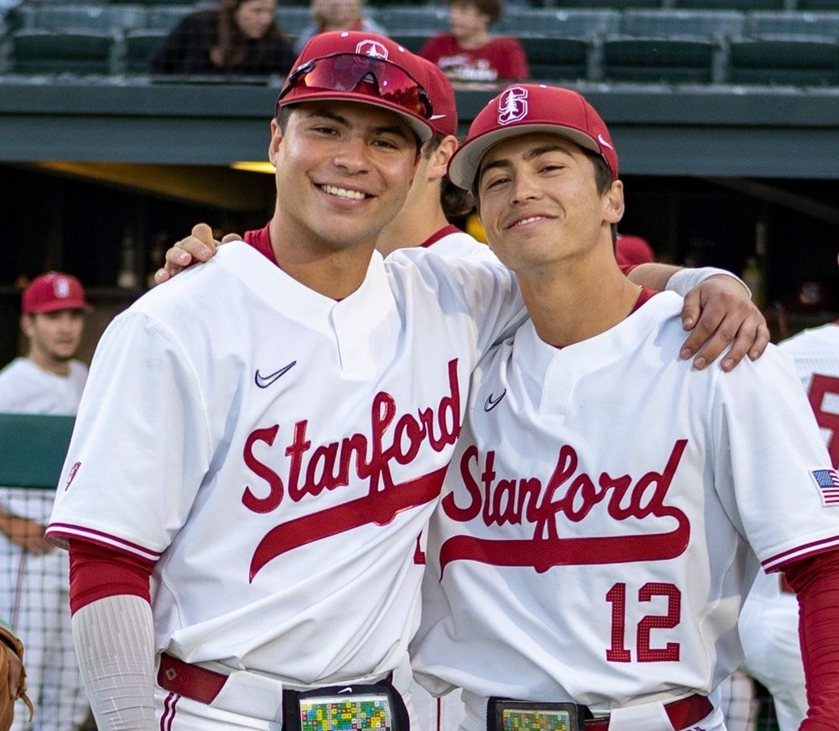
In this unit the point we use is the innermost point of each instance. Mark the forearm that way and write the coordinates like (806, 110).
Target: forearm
(816, 583)
(677, 279)
(114, 642)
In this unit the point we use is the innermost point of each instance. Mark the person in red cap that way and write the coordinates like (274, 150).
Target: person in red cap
(608, 506)
(47, 380)
(633, 250)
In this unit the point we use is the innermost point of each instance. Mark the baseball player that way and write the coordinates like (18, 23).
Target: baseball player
(33, 596)
(769, 621)
(257, 451)
(607, 506)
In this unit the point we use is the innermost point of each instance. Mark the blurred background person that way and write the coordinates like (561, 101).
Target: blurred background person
(236, 38)
(630, 250)
(330, 15)
(769, 621)
(34, 576)
(469, 53)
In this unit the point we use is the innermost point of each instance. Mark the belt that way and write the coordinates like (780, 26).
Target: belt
(190, 681)
(682, 713)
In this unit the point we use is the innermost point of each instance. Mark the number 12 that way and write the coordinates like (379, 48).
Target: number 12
(616, 596)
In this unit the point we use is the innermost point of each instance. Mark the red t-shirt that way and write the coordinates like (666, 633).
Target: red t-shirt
(502, 59)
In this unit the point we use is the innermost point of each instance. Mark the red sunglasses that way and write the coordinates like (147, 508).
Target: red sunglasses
(366, 75)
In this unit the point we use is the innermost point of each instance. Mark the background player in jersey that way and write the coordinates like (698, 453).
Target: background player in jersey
(33, 592)
(605, 504)
(769, 622)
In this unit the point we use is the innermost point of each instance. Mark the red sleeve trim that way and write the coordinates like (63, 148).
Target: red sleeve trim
(97, 572)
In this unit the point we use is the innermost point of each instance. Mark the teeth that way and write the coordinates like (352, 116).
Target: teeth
(527, 220)
(343, 192)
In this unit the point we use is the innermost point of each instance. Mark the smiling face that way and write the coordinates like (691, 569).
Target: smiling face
(343, 172)
(540, 204)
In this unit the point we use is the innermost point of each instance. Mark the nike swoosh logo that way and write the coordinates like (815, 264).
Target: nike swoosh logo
(265, 381)
(603, 142)
(491, 403)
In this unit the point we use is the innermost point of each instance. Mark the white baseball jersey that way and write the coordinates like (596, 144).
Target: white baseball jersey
(33, 593)
(602, 513)
(769, 621)
(278, 453)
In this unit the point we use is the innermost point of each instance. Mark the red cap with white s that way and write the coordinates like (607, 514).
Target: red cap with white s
(527, 108)
(361, 67)
(54, 291)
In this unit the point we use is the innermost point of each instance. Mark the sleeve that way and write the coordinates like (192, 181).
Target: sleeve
(816, 583)
(141, 441)
(430, 50)
(516, 61)
(114, 643)
(769, 461)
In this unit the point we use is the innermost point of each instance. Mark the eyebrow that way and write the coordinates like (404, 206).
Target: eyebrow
(394, 129)
(531, 154)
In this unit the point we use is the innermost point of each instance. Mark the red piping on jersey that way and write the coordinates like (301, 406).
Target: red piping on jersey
(435, 237)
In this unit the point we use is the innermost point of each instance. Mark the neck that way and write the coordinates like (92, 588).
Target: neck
(334, 272)
(418, 221)
(578, 302)
(474, 40)
(58, 366)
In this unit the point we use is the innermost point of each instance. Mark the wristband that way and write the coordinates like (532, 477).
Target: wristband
(686, 279)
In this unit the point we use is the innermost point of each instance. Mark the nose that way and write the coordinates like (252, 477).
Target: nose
(524, 188)
(352, 156)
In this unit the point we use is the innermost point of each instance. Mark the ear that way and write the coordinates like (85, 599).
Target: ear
(614, 204)
(274, 145)
(438, 164)
(26, 325)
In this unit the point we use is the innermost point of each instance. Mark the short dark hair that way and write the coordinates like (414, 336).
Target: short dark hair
(491, 8)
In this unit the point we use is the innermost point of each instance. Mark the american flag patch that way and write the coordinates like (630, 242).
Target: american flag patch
(828, 483)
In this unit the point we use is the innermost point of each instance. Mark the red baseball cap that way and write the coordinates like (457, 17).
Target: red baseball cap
(441, 94)
(524, 109)
(54, 291)
(361, 67)
(633, 250)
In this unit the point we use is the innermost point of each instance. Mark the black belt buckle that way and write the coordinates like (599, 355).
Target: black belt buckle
(375, 707)
(510, 715)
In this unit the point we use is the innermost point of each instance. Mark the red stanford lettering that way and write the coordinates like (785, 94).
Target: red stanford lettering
(525, 500)
(393, 439)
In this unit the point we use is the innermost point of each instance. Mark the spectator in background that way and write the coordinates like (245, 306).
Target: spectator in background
(330, 15)
(236, 38)
(34, 576)
(468, 53)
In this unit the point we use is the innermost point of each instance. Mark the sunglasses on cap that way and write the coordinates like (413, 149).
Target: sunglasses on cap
(368, 75)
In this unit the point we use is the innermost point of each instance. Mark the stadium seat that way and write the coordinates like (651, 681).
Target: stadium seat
(293, 18)
(742, 5)
(97, 17)
(786, 25)
(570, 23)
(612, 4)
(138, 45)
(411, 41)
(39, 51)
(691, 24)
(792, 61)
(818, 5)
(557, 59)
(32, 449)
(166, 17)
(413, 19)
(658, 60)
